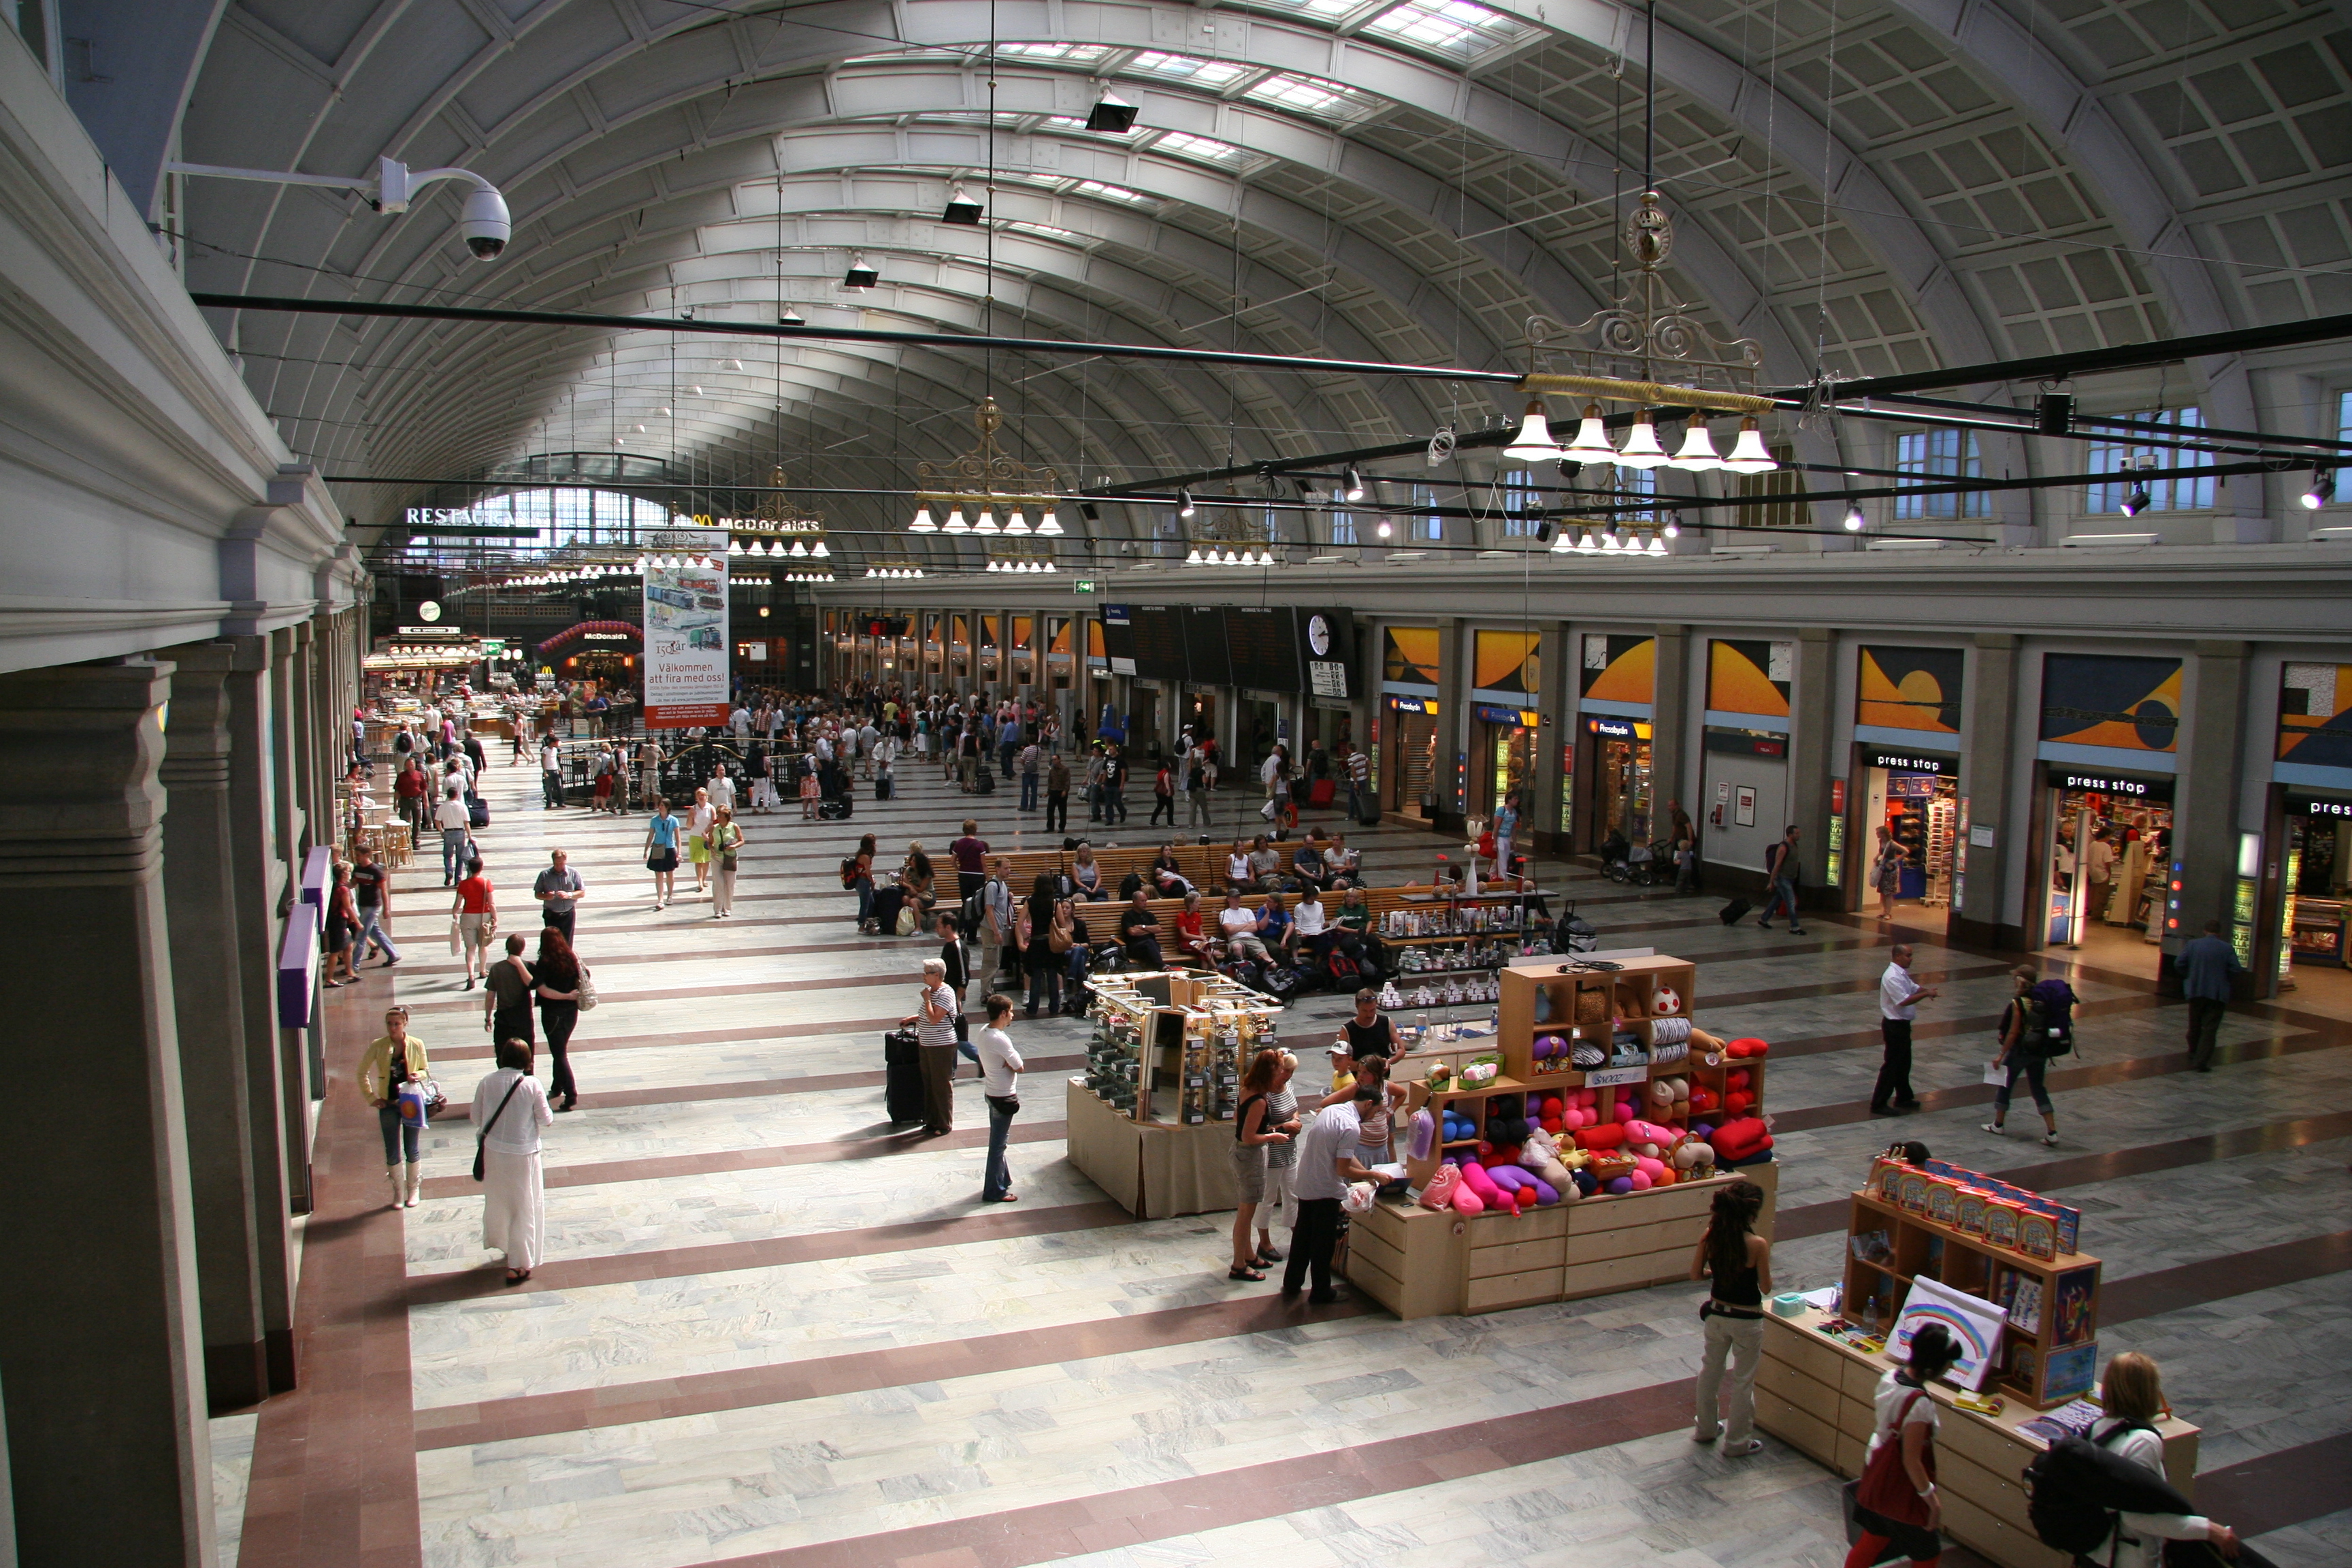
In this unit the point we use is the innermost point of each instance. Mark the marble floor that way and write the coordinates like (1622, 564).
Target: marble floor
(769, 1331)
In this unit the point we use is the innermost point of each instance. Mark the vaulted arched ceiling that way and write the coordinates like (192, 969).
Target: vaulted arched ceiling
(1862, 188)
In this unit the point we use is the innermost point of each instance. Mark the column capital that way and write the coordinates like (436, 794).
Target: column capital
(196, 742)
(79, 801)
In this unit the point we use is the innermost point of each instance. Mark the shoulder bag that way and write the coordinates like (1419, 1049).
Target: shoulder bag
(1885, 1487)
(493, 1121)
(587, 990)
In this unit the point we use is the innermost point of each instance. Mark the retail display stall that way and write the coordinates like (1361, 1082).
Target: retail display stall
(1587, 1138)
(1151, 1122)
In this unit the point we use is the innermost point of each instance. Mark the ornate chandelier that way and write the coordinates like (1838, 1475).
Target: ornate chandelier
(998, 491)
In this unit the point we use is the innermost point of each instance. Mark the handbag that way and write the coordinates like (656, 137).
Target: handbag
(906, 926)
(456, 948)
(587, 990)
(489, 926)
(1885, 1487)
(493, 1121)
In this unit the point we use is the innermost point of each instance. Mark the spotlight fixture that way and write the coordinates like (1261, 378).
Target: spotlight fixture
(1592, 442)
(1386, 527)
(693, 392)
(1355, 485)
(1111, 113)
(734, 364)
(798, 548)
(1854, 520)
(1534, 442)
(1193, 559)
(1696, 453)
(791, 318)
(2322, 491)
(1657, 547)
(735, 546)
(962, 208)
(664, 413)
(1674, 528)
(1748, 453)
(1608, 541)
(1561, 545)
(2135, 503)
(922, 524)
(860, 275)
(1184, 503)
(818, 550)
(1641, 449)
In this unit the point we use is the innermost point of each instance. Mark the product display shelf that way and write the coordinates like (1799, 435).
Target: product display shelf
(1814, 1391)
(1420, 1262)
(2049, 1351)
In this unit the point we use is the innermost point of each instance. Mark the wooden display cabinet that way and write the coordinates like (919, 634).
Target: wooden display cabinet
(2049, 1349)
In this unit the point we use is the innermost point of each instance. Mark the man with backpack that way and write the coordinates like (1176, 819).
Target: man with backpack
(2037, 1024)
(1782, 868)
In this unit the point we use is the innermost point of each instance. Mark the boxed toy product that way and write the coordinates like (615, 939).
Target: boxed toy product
(1912, 1195)
(2037, 1233)
(2000, 1221)
(1943, 1199)
(1969, 1210)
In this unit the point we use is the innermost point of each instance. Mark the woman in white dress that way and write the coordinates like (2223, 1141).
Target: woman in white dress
(510, 1107)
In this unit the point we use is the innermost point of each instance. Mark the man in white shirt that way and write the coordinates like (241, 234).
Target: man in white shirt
(551, 773)
(1240, 926)
(722, 791)
(450, 816)
(868, 739)
(1898, 999)
(740, 722)
(1000, 1073)
(1327, 1163)
(1307, 927)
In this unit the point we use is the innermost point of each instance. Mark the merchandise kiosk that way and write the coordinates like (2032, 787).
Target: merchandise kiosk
(1576, 1041)
(1996, 1265)
(1151, 1122)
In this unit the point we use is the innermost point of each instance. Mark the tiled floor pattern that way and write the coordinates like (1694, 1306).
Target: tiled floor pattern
(771, 1331)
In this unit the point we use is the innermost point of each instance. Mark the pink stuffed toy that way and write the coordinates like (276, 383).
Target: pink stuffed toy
(1482, 1186)
(1439, 1192)
(1464, 1201)
(1623, 1110)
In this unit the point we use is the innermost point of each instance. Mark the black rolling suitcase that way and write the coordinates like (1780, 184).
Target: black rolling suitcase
(902, 1075)
(882, 789)
(1735, 911)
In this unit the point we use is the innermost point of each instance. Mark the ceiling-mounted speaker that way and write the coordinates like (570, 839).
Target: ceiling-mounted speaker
(2054, 413)
(1111, 113)
(961, 209)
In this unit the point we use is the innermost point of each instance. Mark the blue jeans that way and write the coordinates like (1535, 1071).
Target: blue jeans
(371, 930)
(453, 850)
(997, 1181)
(864, 886)
(1004, 757)
(1784, 895)
(1028, 792)
(2032, 1069)
(398, 1136)
(1045, 987)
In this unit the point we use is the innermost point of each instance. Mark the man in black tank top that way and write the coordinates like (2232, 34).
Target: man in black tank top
(1367, 1034)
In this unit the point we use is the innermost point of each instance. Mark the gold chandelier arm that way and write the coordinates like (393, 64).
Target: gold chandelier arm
(1647, 393)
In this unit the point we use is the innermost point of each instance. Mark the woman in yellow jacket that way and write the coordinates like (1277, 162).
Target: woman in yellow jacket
(395, 1058)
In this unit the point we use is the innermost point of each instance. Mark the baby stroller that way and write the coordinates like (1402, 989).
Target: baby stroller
(1640, 867)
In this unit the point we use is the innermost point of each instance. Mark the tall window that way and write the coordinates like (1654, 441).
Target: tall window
(1635, 485)
(1428, 527)
(1940, 455)
(1519, 503)
(2118, 452)
(1343, 528)
(1758, 492)
(2344, 416)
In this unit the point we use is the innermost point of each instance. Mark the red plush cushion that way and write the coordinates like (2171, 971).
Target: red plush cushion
(1747, 1045)
(1737, 1139)
(1606, 1135)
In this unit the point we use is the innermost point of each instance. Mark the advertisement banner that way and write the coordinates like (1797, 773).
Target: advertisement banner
(685, 638)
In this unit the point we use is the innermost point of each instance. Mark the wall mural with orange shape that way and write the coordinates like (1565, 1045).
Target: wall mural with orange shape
(1408, 653)
(1910, 688)
(2315, 727)
(1745, 676)
(1618, 668)
(1508, 661)
(2124, 703)
(1095, 648)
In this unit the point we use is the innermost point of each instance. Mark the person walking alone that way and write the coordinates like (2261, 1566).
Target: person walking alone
(1000, 1074)
(371, 897)
(1163, 795)
(726, 848)
(475, 908)
(558, 891)
(397, 1057)
(1741, 1264)
(1899, 996)
(457, 832)
(662, 833)
(1784, 867)
(2024, 1051)
(1058, 795)
(510, 1108)
(1907, 1419)
(2208, 965)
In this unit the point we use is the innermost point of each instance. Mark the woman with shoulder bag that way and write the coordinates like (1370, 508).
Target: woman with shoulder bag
(1741, 1264)
(726, 844)
(661, 853)
(510, 1107)
(1886, 873)
(561, 980)
(2026, 1057)
(1895, 1503)
(395, 1060)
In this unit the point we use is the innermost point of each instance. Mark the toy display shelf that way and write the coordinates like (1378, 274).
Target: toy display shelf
(1422, 1263)
(1171, 1044)
(1814, 1391)
(1630, 996)
(2047, 1355)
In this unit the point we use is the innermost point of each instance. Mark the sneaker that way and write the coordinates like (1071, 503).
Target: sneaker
(2050, 1139)
(1996, 1129)
(1794, 930)
(1741, 1451)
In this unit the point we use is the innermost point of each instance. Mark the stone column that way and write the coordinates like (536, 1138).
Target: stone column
(298, 1048)
(1988, 767)
(2205, 794)
(209, 1010)
(110, 1460)
(1808, 760)
(281, 1163)
(1539, 818)
(1673, 775)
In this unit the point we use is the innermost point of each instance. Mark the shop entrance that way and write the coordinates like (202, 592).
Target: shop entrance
(1142, 721)
(2102, 850)
(1617, 760)
(2314, 907)
(1915, 796)
(1502, 758)
(1409, 770)
(1201, 714)
(1260, 721)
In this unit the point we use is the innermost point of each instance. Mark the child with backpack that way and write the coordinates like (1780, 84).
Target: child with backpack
(2037, 1019)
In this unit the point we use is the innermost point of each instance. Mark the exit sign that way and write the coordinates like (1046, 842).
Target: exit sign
(1082, 585)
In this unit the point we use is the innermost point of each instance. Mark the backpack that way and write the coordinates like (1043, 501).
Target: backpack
(1345, 973)
(2075, 1489)
(974, 910)
(1130, 884)
(2050, 1017)
(848, 872)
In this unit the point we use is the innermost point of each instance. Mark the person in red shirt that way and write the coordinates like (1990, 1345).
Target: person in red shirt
(969, 854)
(408, 792)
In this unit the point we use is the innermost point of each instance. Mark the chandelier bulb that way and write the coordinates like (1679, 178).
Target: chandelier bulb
(1696, 455)
(1642, 449)
(1592, 442)
(1748, 454)
(1534, 442)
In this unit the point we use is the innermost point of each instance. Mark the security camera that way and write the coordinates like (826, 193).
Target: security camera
(485, 224)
